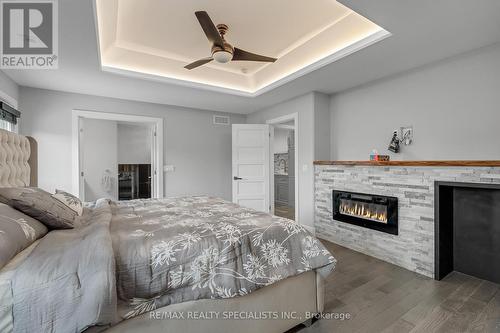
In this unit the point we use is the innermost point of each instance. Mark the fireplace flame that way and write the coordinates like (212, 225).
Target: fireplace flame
(368, 211)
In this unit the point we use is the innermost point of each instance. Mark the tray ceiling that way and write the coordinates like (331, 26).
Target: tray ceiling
(156, 39)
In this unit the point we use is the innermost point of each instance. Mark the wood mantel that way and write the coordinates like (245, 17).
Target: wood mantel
(466, 163)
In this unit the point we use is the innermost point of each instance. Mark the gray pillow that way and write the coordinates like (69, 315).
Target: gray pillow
(40, 205)
(69, 200)
(17, 232)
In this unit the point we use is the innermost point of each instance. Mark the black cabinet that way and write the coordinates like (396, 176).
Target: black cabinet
(134, 181)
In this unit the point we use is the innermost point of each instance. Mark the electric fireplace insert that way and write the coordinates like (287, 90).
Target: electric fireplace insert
(371, 211)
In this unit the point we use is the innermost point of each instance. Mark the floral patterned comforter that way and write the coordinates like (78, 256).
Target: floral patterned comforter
(175, 250)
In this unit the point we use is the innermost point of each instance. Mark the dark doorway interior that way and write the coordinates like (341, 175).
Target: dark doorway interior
(134, 181)
(467, 228)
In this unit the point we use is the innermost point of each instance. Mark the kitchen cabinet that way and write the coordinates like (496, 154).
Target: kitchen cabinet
(281, 189)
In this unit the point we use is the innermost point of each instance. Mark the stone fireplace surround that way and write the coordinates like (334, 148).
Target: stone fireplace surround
(413, 184)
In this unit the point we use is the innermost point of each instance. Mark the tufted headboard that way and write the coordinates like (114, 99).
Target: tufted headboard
(18, 160)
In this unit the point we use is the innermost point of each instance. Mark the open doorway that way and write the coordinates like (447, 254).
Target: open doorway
(283, 160)
(117, 156)
(115, 159)
(134, 160)
(264, 175)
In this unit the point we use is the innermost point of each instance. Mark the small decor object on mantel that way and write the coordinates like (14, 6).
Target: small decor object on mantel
(374, 156)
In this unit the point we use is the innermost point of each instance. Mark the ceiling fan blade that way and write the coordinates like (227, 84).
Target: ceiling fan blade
(242, 55)
(209, 28)
(198, 63)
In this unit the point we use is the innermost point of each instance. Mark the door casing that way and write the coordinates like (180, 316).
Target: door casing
(280, 120)
(157, 185)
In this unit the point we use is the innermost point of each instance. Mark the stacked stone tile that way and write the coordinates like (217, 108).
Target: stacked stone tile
(413, 248)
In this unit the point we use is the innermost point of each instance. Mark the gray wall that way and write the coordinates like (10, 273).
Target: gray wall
(134, 144)
(9, 90)
(454, 106)
(322, 130)
(280, 144)
(200, 151)
(311, 108)
(100, 158)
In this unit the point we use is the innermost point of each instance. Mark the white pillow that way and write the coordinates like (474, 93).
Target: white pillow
(69, 200)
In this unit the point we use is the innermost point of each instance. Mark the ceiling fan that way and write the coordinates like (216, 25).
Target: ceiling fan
(222, 51)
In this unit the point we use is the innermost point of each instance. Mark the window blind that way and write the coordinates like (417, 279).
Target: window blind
(8, 113)
(7, 126)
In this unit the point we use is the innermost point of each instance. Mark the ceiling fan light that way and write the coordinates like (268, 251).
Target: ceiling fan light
(222, 56)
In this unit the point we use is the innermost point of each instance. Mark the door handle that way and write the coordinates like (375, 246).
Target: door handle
(237, 178)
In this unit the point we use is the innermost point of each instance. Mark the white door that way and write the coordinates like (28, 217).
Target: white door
(251, 176)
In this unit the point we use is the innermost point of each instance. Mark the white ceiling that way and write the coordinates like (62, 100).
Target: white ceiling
(173, 28)
(423, 31)
(158, 38)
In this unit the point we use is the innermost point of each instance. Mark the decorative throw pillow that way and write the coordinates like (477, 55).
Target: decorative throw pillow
(69, 200)
(17, 232)
(40, 205)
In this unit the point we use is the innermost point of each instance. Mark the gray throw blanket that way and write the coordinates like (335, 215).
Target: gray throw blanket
(68, 282)
(156, 252)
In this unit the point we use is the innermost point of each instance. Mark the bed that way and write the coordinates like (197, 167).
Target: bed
(193, 264)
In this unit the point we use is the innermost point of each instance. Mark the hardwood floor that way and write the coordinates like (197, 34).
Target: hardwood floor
(381, 297)
(284, 211)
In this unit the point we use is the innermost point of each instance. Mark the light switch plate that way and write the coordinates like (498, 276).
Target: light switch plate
(168, 168)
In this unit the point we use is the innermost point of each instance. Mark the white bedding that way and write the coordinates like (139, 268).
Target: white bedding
(6, 274)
